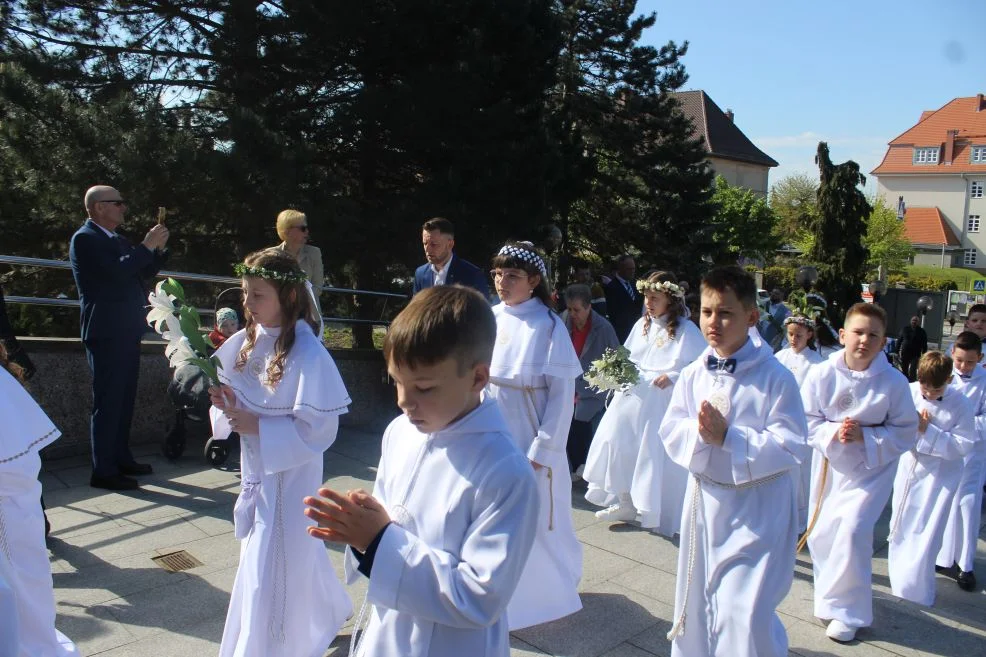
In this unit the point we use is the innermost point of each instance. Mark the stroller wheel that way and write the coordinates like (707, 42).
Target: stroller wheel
(216, 452)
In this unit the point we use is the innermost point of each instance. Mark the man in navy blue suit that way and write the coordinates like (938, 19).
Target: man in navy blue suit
(624, 303)
(443, 268)
(110, 273)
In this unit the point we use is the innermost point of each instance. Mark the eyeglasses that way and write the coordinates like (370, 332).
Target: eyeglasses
(116, 202)
(303, 228)
(507, 276)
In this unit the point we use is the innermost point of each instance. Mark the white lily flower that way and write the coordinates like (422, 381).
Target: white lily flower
(162, 309)
(179, 351)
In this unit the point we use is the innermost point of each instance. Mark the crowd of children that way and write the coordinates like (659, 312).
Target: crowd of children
(468, 531)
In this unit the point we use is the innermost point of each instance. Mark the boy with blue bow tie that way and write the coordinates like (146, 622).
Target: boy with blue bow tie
(737, 424)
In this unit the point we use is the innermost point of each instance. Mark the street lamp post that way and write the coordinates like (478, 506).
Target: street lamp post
(806, 277)
(924, 305)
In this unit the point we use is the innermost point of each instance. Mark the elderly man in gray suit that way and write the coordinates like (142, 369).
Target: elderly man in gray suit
(591, 335)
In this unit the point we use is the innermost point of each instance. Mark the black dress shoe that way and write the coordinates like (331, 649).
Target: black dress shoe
(136, 469)
(113, 482)
(948, 571)
(966, 580)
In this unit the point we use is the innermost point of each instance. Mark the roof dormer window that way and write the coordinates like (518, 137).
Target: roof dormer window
(978, 155)
(926, 155)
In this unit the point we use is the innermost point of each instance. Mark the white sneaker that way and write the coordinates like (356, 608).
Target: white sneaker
(839, 631)
(577, 475)
(622, 512)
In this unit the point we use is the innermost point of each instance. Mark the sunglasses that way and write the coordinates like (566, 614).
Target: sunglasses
(116, 202)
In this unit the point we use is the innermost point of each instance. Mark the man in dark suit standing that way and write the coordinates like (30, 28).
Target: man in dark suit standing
(443, 268)
(110, 272)
(623, 302)
(912, 343)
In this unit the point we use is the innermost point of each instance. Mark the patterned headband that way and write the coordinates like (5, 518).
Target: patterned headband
(242, 271)
(525, 255)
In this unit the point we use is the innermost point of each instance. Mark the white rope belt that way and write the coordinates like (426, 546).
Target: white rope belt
(678, 629)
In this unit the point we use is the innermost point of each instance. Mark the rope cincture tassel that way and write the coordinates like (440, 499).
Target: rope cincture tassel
(678, 629)
(903, 497)
(551, 501)
(818, 506)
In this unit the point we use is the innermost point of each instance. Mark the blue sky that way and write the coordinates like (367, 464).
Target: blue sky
(854, 74)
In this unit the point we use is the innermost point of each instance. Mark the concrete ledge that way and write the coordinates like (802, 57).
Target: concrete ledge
(63, 387)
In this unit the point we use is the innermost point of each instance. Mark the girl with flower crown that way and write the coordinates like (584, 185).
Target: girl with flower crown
(27, 602)
(281, 391)
(627, 468)
(532, 379)
(798, 357)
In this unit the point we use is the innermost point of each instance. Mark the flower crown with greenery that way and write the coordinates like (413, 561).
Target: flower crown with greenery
(805, 310)
(243, 270)
(667, 287)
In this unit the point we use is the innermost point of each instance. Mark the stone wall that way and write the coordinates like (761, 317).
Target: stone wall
(63, 383)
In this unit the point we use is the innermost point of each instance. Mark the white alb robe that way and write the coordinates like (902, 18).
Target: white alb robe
(27, 599)
(740, 515)
(799, 365)
(961, 531)
(627, 454)
(860, 476)
(924, 486)
(286, 598)
(464, 511)
(532, 379)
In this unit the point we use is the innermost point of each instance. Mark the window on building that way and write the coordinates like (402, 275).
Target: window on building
(926, 155)
(978, 155)
(976, 189)
(970, 258)
(973, 225)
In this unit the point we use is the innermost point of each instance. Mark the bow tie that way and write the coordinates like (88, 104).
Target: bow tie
(721, 364)
(965, 377)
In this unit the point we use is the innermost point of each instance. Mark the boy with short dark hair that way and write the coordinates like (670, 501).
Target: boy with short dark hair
(737, 424)
(860, 419)
(927, 477)
(975, 320)
(958, 548)
(446, 534)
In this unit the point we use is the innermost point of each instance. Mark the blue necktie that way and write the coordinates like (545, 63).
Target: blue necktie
(721, 364)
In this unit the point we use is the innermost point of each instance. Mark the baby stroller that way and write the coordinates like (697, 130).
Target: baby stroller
(188, 391)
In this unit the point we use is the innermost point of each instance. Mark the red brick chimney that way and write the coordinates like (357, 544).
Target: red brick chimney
(950, 145)
(979, 102)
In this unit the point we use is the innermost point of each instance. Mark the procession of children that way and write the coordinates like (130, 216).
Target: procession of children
(468, 533)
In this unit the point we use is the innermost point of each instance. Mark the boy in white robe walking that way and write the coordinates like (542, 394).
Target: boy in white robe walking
(27, 601)
(736, 423)
(927, 477)
(860, 419)
(958, 548)
(282, 392)
(446, 534)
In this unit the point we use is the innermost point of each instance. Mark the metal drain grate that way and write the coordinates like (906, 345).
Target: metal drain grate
(176, 562)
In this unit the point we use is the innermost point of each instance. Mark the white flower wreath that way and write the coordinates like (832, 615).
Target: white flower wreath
(667, 287)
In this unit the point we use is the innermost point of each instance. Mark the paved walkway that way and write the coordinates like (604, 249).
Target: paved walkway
(114, 601)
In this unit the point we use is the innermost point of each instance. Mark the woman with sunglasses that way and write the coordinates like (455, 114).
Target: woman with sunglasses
(292, 228)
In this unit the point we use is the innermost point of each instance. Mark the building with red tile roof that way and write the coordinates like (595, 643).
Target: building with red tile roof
(731, 153)
(938, 168)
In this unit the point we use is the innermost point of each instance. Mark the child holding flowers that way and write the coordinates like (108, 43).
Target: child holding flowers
(282, 393)
(627, 467)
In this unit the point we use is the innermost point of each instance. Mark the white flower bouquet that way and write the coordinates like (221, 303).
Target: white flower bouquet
(180, 324)
(614, 371)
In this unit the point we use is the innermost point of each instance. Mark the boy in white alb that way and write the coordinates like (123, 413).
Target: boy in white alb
(861, 419)
(927, 477)
(736, 423)
(446, 534)
(958, 547)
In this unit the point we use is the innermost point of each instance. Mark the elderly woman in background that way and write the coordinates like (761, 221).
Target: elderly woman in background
(591, 335)
(292, 227)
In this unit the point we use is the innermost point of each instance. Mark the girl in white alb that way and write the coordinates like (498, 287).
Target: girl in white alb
(628, 469)
(798, 358)
(27, 601)
(532, 379)
(282, 392)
